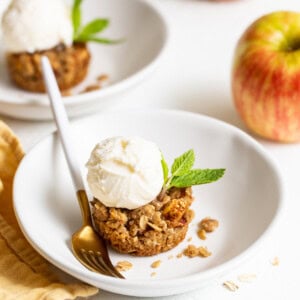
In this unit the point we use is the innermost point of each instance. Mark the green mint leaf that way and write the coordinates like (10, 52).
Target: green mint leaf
(89, 31)
(76, 17)
(196, 177)
(94, 27)
(91, 38)
(165, 168)
(183, 163)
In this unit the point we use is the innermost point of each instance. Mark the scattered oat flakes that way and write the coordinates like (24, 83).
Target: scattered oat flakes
(189, 239)
(170, 256)
(102, 77)
(156, 264)
(193, 251)
(275, 261)
(124, 265)
(92, 87)
(202, 234)
(203, 252)
(153, 274)
(179, 255)
(231, 286)
(209, 224)
(246, 277)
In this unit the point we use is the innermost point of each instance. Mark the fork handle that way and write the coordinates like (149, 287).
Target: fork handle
(84, 207)
(62, 123)
(63, 126)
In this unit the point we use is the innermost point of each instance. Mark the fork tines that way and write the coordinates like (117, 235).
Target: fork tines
(96, 263)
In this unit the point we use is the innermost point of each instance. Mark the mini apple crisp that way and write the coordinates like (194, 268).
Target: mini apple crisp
(70, 65)
(141, 206)
(151, 229)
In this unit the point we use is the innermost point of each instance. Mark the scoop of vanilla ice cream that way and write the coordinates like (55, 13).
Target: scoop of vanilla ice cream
(125, 172)
(33, 25)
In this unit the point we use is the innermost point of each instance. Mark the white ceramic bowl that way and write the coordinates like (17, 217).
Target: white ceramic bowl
(246, 201)
(145, 33)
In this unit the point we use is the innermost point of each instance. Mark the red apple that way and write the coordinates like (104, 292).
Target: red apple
(266, 76)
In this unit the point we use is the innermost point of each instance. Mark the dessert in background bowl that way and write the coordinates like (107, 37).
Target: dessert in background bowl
(137, 207)
(126, 63)
(32, 28)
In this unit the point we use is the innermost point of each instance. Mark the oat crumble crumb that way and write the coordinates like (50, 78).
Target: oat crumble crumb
(193, 251)
(153, 274)
(179, 255)
(170, 256)
(275, 261)
(124, 265)
(189, 239)
(102, 77)
(90, 88)
(209, 224)
(201, 234)
(231, 286)
(203, 252)
(156, 264)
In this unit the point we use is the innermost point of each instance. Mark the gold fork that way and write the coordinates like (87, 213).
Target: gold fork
(88, 247)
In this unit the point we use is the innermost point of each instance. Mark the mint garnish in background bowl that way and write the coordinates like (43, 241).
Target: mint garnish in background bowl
(90, 31)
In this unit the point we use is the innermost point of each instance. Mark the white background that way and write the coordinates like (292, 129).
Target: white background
(194, 75)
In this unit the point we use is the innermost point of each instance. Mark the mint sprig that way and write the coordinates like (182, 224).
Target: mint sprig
(94, 27)
(196, 177)
(90, 31)
(76, 17)
(183, 163)
(182, 174)
(165, 168)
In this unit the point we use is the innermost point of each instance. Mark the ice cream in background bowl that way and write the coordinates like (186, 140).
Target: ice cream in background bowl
(35, 25)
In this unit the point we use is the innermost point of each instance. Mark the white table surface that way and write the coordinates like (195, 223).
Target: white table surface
(194, 75)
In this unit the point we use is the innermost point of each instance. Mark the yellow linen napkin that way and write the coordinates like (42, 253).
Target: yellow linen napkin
(24, 274)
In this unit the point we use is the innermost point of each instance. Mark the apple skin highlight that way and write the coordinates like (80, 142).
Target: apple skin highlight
(266, 77)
